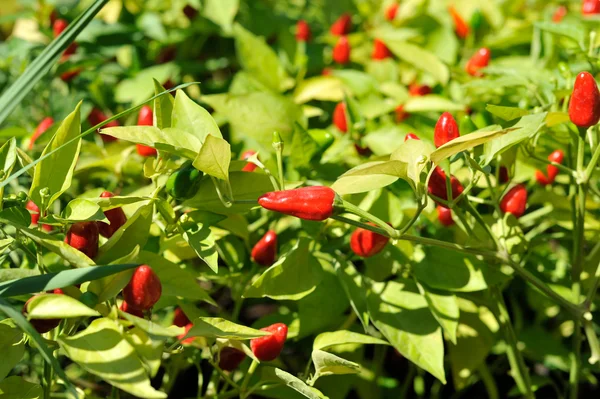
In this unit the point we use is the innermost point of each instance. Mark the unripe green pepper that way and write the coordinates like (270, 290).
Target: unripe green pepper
(476, 19)
(184, 182)
(323, 138)
(467, 125)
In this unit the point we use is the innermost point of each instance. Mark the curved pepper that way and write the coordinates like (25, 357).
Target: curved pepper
(551, 170)
(341, 51)
(309, 203)
(44, 125)
(460, 26)
(390, 12)
(143, 290)
(184, 182)
(515, 201)
(479, 60)
(267, 348)
(437, 185)
(366, 243)
(83, 236)
(446, 130)
(303, 33)
(145, 118)
(380, 50)
(584, 107)
(265, 250)
(342, 25)
(339, 117)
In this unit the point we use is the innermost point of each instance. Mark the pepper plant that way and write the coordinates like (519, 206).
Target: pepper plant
(265, 199)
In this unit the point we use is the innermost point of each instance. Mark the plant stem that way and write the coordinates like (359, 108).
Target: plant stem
(47, 380)
(351, 208)
(593, 288)
(247, 377)
(592, 338)
(589, 170)
(488, 381)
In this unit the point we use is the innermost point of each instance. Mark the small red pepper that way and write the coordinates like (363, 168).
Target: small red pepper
(249, 167)
(44, 125)
(145, 118)
(380, 50)
(366, 243)
(265, 250)
(416, 90)
(339, 117)
(83, 236)
(230, 358)
(95, 117)
(58, 27)
(267, 348)
(584, 107)
(180, 319)
(437, 185)
(460, 26)
(125, 307)
(590, 7)
(309, 203)
(551, 170)
(479, 60)
(401, 115)
(445, 216)
(342, 25)
(35, 215)
(446, 129)
(143, 290)
(341, 51)
(515, 201)
(115, 216)
(390, 12)
(70, 74)
(41, 325)
(189, 340)
(503, 176)
(411, 136)
(303, 33)
(560, 13)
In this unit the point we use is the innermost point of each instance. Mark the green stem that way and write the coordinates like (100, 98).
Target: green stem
(47, 380)
(589, 170)
(351, 208)
(413, 220)
(251, 370)
(592, 292)
(592, 338)
(488, 381)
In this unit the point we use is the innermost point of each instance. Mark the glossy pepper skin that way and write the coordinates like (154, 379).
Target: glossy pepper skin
(230, 358)
(515, 201)
(303, 33)
(184, 182)
(446, 129)
(390, 12)
(125, 307)
(479, 60)
(590, 7)
(551, 170)
(145, 118)
(180, 319)
(380, 50)
(41, 325)
(309, 203)
(35, 215)
(143, 290)
(342, 25)
(445, 216)
(95, 117)
(83, 236)
(460, 26)
(265, 250)
(44, 125)
(366, 243)
(339, 117)
(437, 184)
(249, 167)
(560, 13)
(341, 51)
(584, 107)
(115, 216)
(411, 136)
(267, 348)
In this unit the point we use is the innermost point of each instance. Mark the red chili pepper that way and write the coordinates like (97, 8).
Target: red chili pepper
(446, 129)
(83, 236)
(95, 117)
(584, 107)
(143, 290)
(265, 250)
(416, 90)
(460, 26)
(503, 176)
(366, 243)
(342, 25)
(249, 167)
(309, 203)
(551, 170)
(179, 318)
(515, 201)
(303, 33)
(445, 216)
(44, 125)
(267, 348)
(479, 60)
(560, 13)
(339, 117)
(40, 325)
(390, 12)
(341, 51)
(115, 216)
(145, 118)
(189, 340)
(437, 185)
(125, 307)
(35, 215)
(590, 7)
(70, 74)
(58, 27)
(411, 136)
(230, 358)
(401, 115)
(380, 50)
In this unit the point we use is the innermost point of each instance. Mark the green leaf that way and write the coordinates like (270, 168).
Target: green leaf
(303, 147)
(15, 216)
(576, 32)
(17, 388)
(216, 327)
(221, 12)
(506, 113)
(57, 306)
(8, 157)
(357, 82)
(137, 89)
(356, 290)
(163, 107)
(110, 286)
(199, 236)
(12, 347)
(324, 88)
(214, 158)
(401, 314)
(294, 382)
(294, 275)
(416, 154)
(192, 118)
(148, 349)
(431, 103)
(155, 330)
(79, 210)
(420, 59)
(344, 337)
(329, 364)
(258, 59)
(369, 176)
(444, 307)
(102, 350)
(58, 246)
(56, 171)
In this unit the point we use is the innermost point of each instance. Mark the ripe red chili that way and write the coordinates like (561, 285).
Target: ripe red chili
(309, 203)
(35, 215)
(551, 170)
(180, 319)
(415, 89)
(303, 33)
(437, 185)
(446, 129)
(341, 51)
(560, 13)
(189, 340)
(342, 25)
(83, 236)
(339, 117)
(584, 107)
(143, 290)
(265, 250)
(115, 216)
(445, 216)
(44, 125)
(125, 307)
(380, 50)
(267, 348)
(590, 7)
(366, 243)
(411, 136)
(515, 201)
(390, 12)
(70, 74)
(58, 27)
(230, 358)
(249, 167)
(400, 113)
(460, 26)
(41, 325)
(95, 117)
(145, 118)
(479, 60)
